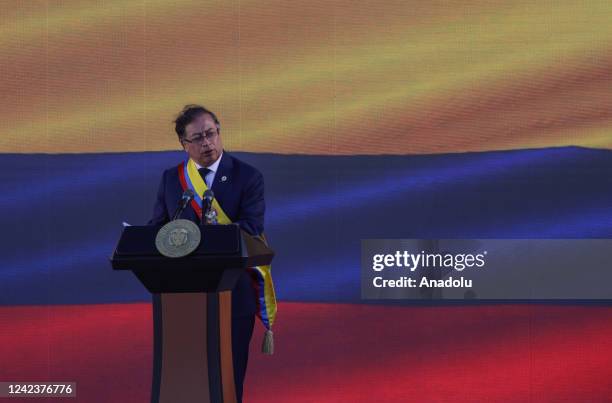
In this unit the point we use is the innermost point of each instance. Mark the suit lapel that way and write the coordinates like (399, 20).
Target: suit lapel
(223, 178)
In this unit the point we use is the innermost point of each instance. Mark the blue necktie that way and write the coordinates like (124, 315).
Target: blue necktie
(203, 172)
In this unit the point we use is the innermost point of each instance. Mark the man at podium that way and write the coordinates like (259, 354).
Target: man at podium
(239, 193)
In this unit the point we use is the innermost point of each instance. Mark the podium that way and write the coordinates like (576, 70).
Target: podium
(192, 299)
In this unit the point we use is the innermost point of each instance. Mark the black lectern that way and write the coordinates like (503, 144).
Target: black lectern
(192, 308)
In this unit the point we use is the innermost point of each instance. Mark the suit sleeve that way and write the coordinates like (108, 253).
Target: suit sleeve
(253, 206)
(160, 211)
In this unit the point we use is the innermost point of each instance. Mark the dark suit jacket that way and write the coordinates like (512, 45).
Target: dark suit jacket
(241, 196)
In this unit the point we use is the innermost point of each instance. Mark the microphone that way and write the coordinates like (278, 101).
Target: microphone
(185, 199)
(206, 206)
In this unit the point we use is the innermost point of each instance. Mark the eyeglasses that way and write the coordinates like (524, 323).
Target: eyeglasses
(198, 138)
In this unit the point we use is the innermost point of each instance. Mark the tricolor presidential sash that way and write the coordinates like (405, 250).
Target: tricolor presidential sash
(190, 178)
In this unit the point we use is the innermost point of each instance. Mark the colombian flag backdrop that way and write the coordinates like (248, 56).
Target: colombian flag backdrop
(368, 119)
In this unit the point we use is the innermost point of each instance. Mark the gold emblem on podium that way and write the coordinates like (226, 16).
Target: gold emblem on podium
(178, 238)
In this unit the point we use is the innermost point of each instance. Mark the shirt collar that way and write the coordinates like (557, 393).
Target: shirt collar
(214, 166)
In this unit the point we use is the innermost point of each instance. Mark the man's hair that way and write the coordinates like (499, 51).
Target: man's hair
(188, 115)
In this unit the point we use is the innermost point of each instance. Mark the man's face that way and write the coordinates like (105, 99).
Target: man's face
(202, 140)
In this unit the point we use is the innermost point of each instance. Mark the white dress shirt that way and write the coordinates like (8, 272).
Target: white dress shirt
(210, 176)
